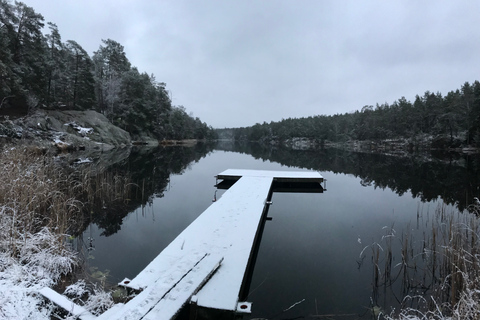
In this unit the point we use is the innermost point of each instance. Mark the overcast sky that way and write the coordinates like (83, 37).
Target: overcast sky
(236, 63)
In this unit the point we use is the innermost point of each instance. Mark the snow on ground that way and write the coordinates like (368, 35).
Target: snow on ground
(57, 138)
(39, 263)
(17, 300)
(41, 259)
(83, 160)
(81, 130)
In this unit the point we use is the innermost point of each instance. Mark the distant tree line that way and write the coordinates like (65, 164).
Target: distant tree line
(455, 116)
(41, 71)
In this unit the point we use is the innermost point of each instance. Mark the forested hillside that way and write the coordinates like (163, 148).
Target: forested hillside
(455, 117)
(42, 71)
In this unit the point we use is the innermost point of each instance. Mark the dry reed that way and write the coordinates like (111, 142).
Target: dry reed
(35, 194)
(437, 274)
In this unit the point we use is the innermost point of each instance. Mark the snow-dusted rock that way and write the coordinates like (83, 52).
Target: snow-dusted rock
(73, 130)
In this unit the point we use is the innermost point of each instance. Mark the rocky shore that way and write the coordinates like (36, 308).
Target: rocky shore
(400, 146)
(68, 131)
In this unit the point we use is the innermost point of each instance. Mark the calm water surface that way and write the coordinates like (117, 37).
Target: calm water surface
(309, 261)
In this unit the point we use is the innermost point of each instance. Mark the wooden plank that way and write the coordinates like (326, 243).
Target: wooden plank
(174, 300)
(110, 313)
(186, 280)
(177, 265)
(158, 281)
(66, 304)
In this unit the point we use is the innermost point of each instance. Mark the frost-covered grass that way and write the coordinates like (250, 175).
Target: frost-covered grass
(39, 261)
(435, 267)
(92, 297)
(38, 209)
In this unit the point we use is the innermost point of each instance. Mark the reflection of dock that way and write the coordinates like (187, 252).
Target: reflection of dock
(210, 262)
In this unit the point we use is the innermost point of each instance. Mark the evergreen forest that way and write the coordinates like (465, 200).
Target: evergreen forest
(455, 117)
(39, 70)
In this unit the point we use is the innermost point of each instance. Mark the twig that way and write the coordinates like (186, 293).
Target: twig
(293, 305)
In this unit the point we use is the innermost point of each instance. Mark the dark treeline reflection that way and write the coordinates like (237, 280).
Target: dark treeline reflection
(453, 177)
(135, 182)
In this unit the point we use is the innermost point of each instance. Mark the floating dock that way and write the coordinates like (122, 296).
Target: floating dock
(208, 263)
(282, 181)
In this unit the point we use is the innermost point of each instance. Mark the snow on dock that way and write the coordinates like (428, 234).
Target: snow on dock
(166, 295)
(283, 181)
(208, 261)
(282, 176)
(226, 228)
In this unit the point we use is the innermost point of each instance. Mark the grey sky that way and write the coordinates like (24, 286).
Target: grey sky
(236, 63)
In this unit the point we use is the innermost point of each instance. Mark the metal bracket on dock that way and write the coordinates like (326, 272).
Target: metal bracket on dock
(244, 307)
(126, 284)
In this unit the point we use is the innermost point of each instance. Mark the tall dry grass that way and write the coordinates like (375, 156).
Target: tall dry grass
(432, 269)
(35, 194)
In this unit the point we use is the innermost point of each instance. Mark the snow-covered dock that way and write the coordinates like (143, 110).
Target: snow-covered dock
(283, 181)
(281, 176)
(206, 264)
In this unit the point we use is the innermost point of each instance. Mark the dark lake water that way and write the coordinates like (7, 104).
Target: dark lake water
(316, 254)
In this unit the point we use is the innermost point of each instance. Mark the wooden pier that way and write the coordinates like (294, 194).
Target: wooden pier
(209, 262)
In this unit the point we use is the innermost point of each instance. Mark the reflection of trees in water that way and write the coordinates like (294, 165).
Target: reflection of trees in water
(453, 177)
(134, 182)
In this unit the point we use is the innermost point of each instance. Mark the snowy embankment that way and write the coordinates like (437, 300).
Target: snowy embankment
(40, 262)
(37, 210)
